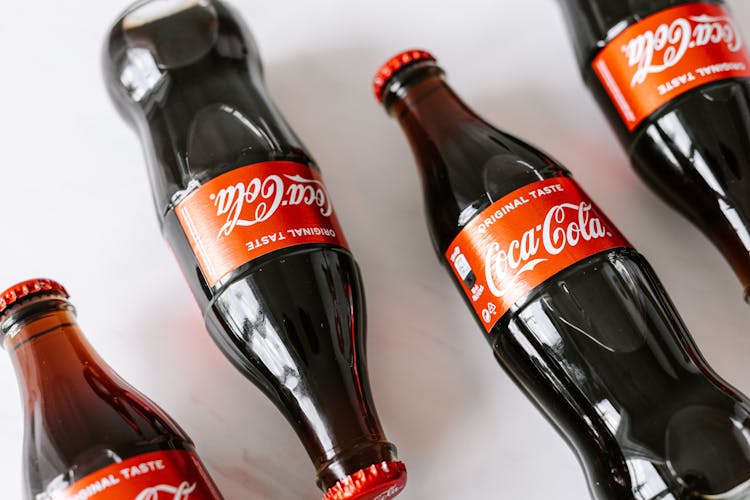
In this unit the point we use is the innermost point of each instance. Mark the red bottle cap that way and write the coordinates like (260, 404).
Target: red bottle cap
(382, 481)
(396, 64)
(28, 289)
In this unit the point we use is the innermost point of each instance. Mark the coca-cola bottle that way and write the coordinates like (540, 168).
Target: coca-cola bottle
(574, 314)
(672, 78)
(88, 433)
(243, 206)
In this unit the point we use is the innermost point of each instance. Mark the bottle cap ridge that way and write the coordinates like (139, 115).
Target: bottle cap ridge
(396, 64)
(380, 481)
(27, 289)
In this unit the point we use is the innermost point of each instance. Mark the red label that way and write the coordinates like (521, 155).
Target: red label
(161, 475)
(524, 239)
(254, 210)
(667, 54)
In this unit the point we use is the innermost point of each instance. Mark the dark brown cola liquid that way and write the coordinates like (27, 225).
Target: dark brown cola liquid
(80, 416)
(292, 321)
(599, 347)
(694, 151)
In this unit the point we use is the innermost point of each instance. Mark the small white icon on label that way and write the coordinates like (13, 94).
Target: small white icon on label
(464, 271)
(476, 292)
(460, 263)
(488, 312)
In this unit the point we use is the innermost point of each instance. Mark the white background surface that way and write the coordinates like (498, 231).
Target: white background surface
(76, 206)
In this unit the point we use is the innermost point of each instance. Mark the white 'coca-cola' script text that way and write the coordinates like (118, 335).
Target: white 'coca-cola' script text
(565, 225)
(181, 492)
(247, 204)
(660, 49)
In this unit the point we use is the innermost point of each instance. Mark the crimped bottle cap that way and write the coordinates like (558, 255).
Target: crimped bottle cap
(396, 64)
(27, 289)
(376, 482)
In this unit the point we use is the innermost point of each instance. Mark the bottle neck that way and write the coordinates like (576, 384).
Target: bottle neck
(425, 105)
(465, 162)
(47, 348)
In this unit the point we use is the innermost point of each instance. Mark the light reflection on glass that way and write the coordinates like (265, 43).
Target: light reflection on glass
(609, 414)
(675, 129)
(141, 74)
(267, 345)
(467, 214)
(647, 481)
(617, 29)
(158, 9)
(736, 221)
(258, 132)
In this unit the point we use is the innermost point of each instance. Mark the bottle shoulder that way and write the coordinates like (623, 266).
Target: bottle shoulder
(475, 179)
(78, 407)
(74, 402)
(76, 425)
(46, 476)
